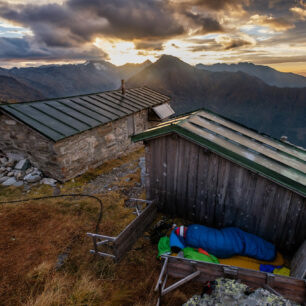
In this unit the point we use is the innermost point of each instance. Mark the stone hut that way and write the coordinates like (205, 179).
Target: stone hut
(66, 137)
(213, 171)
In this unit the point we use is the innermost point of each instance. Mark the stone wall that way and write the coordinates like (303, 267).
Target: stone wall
(18, 138)
(74, 155)
(90, 149)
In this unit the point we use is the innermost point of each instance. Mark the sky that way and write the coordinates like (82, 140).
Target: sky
(265, 32)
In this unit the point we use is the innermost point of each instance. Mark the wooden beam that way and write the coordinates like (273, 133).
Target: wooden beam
(181, 282)
(161, 273)
(102, 254)
(102, 236)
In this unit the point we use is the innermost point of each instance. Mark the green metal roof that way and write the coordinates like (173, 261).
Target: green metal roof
(64, 117)
(281, 162)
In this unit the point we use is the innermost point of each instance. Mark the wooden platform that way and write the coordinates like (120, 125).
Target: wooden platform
(290, 288)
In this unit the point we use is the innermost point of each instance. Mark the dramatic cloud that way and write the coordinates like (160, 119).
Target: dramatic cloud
(204, 24)
(136, 30)
(27, 49)
(277, 24)
(80, 21)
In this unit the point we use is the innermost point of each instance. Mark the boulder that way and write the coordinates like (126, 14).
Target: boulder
(33, 177)
(15, 157)
(10, 174)
(9, 182)
(23, 164)
(18, 184)
(3, 179)
(49, 181)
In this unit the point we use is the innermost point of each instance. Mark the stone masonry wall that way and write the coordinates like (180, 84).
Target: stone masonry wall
(74, 155)
(16, 137)
(90, 149)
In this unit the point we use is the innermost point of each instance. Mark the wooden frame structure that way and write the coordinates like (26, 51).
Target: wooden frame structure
(187, 270)
(122, 243)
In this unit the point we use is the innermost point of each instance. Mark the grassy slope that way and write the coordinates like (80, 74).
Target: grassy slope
(33, 234)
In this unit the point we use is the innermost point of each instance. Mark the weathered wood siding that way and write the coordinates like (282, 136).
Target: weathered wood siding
(194, 183)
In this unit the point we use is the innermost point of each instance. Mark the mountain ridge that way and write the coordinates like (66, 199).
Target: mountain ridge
(238, 96)
(267, 74)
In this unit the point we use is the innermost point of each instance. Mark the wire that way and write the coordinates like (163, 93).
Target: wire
(63, 196)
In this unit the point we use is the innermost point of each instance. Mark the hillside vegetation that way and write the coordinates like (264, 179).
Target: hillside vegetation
(35, 234)
(12, 91)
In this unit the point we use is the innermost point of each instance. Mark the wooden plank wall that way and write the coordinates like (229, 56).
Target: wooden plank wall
(194, 183)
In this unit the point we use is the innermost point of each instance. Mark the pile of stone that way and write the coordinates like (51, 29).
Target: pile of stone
(16, 170)
(233, 293)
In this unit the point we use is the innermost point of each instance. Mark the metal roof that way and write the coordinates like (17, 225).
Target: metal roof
(281, 162)
(64, 117)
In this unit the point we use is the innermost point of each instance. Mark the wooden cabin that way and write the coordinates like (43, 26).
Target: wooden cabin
(65, 137)
(213, 171)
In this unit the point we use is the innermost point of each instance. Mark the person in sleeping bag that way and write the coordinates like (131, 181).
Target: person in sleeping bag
(225, 242)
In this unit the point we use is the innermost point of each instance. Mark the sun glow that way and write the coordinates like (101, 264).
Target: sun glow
(122, 52)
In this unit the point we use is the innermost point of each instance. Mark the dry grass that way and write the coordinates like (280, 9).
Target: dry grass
(33, 234)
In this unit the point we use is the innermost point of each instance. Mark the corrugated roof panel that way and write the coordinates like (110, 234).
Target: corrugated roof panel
(60, 118)
(74, 114)
(283, 163)
(266, 140)
(36, 125)
(248, 143)
(163, 111)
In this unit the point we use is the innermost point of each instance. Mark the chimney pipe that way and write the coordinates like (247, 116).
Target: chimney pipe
(123, 87)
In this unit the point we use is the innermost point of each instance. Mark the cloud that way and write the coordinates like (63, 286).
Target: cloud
(299, 12)
(26, 48)
(215, 5)
(149, 45)
(276, 24)
(205, 24)
(229, 43)
(78, 21)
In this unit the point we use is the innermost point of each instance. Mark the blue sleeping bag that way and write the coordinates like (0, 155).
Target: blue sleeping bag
(228, 242)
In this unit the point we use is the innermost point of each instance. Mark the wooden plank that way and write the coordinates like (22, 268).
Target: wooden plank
(201, 197)
(192, 177)
(172, 170)
(134, 230)
(181, 178)
(223, 177)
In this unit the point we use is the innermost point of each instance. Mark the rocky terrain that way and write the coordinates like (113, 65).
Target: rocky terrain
(16, 170)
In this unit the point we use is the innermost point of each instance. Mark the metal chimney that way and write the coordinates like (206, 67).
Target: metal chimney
(123, 87)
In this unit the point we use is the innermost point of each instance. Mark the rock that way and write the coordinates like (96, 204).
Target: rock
(33, 177)
(9, 182)
(3, 160)
(23, 164)
(231, 292)
(19, 175)
(10, 174)
(2, 169)
(3, 179)
(14, 157)
(49, 181)
(30, 170)
(8, 169)
(18, 184)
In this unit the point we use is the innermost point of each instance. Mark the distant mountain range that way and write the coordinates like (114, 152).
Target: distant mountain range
(241, 92)
(12, 91)
(267, 74)
(67, 80)
(236, 95)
